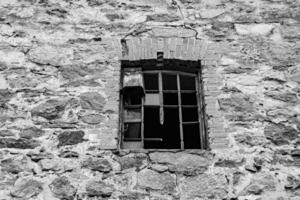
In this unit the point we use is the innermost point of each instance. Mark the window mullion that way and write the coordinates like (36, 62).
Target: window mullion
(197, 82)
(180, 113)
(142, 124)
(161, 99)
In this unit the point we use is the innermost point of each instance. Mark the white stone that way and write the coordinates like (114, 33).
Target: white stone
(254, 29)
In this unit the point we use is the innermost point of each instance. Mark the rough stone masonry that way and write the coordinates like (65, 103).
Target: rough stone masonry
(59, 100)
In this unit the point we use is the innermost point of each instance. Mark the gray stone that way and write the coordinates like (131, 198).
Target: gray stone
(229, 162)
(97, 164)
(51, 109)
(61, 188)
(5, 133)
(5, 96)
(204, 186)
(49, 164)
(31, 132)
(163, 17)
(92, 101)
(254, 189)
(37, 156)
(172, 32)
(92, 118)
(99, 189)
(250, 139)
(15, 165)
(254, 29)
(184, 163)
(52, 55)
(133, 161)
(3, 66)
(293, 183)
(237, 103)
(26, 189)
(153, 180)
(286, 97)
(70, 138)
(21, 143)
(280, 134)
(68, 154)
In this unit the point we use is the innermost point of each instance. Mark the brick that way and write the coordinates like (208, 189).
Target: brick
(166, 48)
(196, 50)
(172, 48)
(142, 54)
(148, 49)
(160, 44)
(137, 48)
(130, 48)
(190, 49)
(184, 49)
(203, 47)
(178, 50)
(154, 48)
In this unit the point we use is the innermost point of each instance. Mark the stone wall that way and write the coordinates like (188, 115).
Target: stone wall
(59, 100)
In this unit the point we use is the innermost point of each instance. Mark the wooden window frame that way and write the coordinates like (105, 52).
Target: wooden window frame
(200, 106)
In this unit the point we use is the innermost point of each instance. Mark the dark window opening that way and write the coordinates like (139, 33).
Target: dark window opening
(169, 115)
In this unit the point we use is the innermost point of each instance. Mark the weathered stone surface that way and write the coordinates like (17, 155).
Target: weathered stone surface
(133, 161)
(92, 101)
(286, 97)
(70, 138)
(68, 154)
(184, 163)
(3, 66)
(172, 32)
(51, 109)
(99, 189)
(261, 182)
(250, 139)
(5, 96)
(21, 143)
(237, 103)
(61, 188)
(97, 164)
(5, 133)
(255, 29)
(153, 180)
(162, 18)
(37, 156)
(15, 165)
(49, 164)
(92, 118)
(26, 189)
(280, 134)
(204, 186)
(229, 162)
(52, 55)
(31, 132)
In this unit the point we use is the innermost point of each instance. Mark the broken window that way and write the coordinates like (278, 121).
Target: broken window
(162, 109)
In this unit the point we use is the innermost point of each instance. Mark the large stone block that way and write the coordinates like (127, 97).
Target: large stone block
(182, 163)
(280, 134)
(51, 109)
(255, 29)
(52, 55)
(21, 143)
(204, 186)
(92, 101)
(61, 188)
(153, 180)
(99, 189)
(26, 189)
(70, 137)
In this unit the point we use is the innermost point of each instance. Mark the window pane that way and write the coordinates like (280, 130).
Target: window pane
(132, 131)
(169, 82)
(152, 99)
(152, 127)
(191, 136)
(170, 98)
(132, 97)
(188, 98)
(132, 114)
(190, 114)
(151, 81)
(187, 82)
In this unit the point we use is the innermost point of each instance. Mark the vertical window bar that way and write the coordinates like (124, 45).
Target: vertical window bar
(161, 99)
(142, 123)
(202, 112)
(197, 82)
(180, 112)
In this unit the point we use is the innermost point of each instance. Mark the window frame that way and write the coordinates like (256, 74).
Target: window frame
(200, 106)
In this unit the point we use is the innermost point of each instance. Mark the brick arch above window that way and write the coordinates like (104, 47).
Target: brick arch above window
(135, 50)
